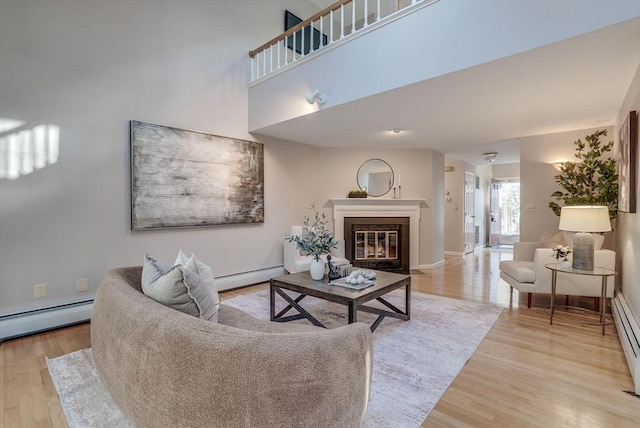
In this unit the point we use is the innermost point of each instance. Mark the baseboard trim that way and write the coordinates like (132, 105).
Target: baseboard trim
(39, 320)
(453, 253)
(243, 279)
(629, 334)
(432, 266)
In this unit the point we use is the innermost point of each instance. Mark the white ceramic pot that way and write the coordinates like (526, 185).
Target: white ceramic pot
(565, 264)
(316, 269)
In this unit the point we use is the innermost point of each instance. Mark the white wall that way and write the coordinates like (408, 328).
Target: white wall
(453, 207)
(505, 171)
(421, 171)
(91, 66)
(628, 224)
(537, 183)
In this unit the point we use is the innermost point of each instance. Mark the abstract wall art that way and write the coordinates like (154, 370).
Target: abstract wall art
(183, 178)
(628, 173)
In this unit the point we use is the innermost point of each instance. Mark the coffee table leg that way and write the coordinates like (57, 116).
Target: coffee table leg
(407, 299)
(353, 313)
(272, 301)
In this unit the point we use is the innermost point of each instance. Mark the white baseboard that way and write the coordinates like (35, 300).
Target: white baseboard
(432, 266)
(453, 253)
(29, 322)
(629, 334)
(236, 280)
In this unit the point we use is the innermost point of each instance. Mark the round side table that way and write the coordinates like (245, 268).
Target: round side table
(597, 271)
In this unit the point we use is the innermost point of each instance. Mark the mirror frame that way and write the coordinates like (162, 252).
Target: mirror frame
(363, 186)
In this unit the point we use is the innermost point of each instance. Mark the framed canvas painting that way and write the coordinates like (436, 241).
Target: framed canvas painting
(628, 168)
(183, 178)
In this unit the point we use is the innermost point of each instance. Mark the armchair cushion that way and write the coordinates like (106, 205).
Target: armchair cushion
(521, 271)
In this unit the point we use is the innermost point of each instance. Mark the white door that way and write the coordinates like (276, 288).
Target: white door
(469, 211)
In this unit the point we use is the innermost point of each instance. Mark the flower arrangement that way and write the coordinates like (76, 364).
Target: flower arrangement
(561, 252)
(316, 239)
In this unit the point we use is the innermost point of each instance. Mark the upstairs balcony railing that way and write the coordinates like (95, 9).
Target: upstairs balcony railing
(334, 24)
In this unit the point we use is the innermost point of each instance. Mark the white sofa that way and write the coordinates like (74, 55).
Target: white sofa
(295, 262)
(527, 273)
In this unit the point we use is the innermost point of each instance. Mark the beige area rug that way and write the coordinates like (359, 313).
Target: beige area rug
(414, 361)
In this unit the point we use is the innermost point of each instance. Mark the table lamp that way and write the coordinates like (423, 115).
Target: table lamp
(584, 219)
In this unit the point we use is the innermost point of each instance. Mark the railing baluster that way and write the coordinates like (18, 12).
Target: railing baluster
(285, 55)
(293, 58)
(366, 11)
(331, 26)
(353, 17)
(341, 21)
(278, 56)
(302, 52)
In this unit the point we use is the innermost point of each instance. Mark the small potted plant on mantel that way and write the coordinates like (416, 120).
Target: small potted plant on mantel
(315, 241)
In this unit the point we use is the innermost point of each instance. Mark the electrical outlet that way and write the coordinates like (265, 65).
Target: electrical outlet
(40, 290)
(531, 207)
(82, 284)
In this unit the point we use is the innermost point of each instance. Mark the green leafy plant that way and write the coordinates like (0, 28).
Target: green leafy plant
(316, 238)
(591, 181)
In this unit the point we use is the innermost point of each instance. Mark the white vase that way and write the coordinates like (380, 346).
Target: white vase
(316, 269)
(565, 264)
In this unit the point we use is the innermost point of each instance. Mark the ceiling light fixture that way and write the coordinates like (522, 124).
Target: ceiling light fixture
(316, 96)
(490, 156)
(396, 130)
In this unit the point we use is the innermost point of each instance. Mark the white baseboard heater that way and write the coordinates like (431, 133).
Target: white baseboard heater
(39, 320)
(629, 334)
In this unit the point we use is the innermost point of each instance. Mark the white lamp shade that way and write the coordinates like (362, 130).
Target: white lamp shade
(585, 219)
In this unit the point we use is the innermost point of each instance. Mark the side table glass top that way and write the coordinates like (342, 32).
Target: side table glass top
(597, 271)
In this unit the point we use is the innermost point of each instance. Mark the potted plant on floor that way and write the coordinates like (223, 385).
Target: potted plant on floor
(315, 241)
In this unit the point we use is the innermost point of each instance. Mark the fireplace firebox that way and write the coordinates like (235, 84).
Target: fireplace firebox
(380, 243)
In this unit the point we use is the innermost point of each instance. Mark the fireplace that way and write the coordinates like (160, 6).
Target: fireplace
(380, 243)
(382, 208)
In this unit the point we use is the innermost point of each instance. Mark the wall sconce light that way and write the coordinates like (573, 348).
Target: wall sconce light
(490, 156)
(558, 165)
(316, 96)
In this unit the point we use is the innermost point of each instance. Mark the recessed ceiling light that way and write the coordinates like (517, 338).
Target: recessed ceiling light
(396, 130)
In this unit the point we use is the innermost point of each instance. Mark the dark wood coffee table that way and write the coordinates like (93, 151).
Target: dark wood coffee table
(302, 283)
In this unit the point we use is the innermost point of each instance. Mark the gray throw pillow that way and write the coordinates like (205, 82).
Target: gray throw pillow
(178, 288)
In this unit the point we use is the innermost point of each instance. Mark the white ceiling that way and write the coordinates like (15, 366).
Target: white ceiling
(578, 83)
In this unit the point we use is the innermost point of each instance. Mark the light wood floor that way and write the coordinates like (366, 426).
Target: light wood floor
(525, 373)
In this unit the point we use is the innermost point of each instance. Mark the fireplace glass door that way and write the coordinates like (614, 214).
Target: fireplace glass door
(376, 245)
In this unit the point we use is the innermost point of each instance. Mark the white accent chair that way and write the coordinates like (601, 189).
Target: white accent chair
(527, 273)
(295, 262)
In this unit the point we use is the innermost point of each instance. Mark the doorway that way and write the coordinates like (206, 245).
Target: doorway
(504, 227)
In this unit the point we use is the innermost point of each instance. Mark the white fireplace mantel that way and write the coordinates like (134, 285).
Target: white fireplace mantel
(366, 207)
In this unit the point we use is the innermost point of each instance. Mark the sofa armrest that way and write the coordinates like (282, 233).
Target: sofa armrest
(524, 251)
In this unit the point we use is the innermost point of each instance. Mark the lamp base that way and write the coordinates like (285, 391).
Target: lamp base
(583, 251)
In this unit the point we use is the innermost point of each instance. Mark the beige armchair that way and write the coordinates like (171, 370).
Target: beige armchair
(527, 273)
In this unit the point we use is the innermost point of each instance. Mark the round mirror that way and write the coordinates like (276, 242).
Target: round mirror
(375, 177)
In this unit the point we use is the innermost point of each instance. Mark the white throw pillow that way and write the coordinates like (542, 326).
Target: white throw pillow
(204, 271)
(178, 288)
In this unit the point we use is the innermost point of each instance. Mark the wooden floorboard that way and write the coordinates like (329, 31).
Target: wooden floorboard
(525, 373)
